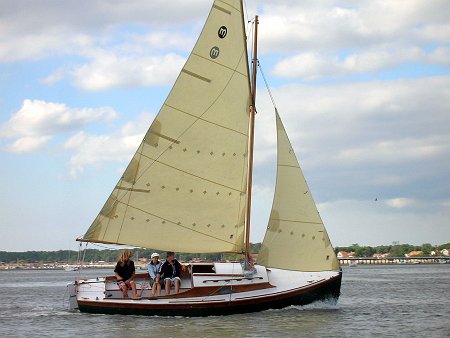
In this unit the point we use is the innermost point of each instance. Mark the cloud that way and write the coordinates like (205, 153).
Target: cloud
(166, 40)
(109, 71)
(314, 40)
(367, 139)
(374, 223)
(401, 202)
(373, 111)
(355, 139)
(440, 55)
(55, 29)
(94, 150)
(313, 65)
(55, 77)
(398, 150)
(36, 122)
(29, 144)
(332, 25)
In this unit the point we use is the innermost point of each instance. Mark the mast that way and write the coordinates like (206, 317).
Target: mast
(248, 258)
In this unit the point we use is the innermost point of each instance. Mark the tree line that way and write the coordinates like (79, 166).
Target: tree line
(394, 250)
(110, 256)
(106, 255)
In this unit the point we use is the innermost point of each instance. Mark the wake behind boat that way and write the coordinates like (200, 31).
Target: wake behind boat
(190, 183)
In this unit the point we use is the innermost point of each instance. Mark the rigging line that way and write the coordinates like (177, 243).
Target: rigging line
(267, 86)
(82, 259)
(80, 265)
(252, 25)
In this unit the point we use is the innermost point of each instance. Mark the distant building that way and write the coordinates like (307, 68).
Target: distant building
(379, 255)
(414, 254)
(345, 254)
(445, 252)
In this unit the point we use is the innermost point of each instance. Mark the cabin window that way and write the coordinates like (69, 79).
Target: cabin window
(203, 268)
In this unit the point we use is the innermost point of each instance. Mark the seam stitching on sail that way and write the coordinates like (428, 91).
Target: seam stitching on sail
(188, 173)
(220, 64)
(288, 220)
(129, 195)
(289, 166)
(201, 119)
(178, 225)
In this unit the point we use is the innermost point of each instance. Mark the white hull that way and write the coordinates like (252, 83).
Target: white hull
(71, 268)
(224, 291)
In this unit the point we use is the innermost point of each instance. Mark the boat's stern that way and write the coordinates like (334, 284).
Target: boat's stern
(88, 289)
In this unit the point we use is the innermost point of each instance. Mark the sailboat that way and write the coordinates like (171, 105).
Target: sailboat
(188, 189)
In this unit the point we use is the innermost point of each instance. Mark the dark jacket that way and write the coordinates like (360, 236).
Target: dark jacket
(168, 270)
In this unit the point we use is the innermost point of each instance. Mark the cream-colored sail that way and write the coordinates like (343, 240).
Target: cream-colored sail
(296, 238)
(184, 189)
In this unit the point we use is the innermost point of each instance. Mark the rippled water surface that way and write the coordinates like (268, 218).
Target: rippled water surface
(385, 301)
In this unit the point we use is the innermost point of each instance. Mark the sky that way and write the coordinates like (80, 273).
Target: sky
(363, 88)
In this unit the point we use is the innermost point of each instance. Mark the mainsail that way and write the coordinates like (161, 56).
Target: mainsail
(295, 228)
(184, 189)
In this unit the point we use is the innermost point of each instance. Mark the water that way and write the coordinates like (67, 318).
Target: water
(385, 301)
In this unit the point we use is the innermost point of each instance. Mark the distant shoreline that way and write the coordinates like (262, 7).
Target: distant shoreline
(54, 266)
(354, 261)
(394, 260)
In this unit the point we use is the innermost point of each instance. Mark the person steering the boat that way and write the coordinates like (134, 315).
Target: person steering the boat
(155, 279)
(170, 272)
(125, 272)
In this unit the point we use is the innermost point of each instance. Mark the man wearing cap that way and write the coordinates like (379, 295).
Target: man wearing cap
(170, 272)
(155, 279)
